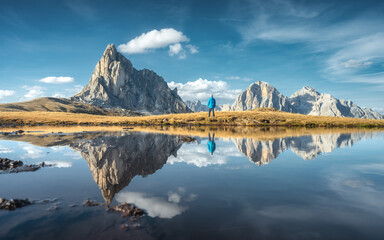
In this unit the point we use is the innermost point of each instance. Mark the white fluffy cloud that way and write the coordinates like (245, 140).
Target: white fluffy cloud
(33, 92)
(192, 49)
(202, 89)
(6, 93)
(175, 49)
(57, 80)
(152, 40)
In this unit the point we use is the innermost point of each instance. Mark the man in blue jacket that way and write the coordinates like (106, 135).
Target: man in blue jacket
(211, 105)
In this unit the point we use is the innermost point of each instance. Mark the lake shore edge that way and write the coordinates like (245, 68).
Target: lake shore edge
(254, 118)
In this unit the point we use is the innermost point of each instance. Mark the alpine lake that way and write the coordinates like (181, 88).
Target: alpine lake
(193, 183)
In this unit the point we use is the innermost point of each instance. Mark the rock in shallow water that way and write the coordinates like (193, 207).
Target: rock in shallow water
(6, 164)
(13, 203)
(16, 166)
(128, 210)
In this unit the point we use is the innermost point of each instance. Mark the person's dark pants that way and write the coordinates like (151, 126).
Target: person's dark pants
(213, 112)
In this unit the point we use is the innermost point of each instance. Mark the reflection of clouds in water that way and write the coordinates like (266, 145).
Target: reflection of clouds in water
(57, 148)
(59, 164)
(158, 206)
(190, 198)
(154, 206)
(32, 151)
(352, 199)
(73, 155)
(5, 150)
(356, 205)
(353, 185)
(240, 167)
(198, 155)
(67, 152)
(174, 197)
(357, 183)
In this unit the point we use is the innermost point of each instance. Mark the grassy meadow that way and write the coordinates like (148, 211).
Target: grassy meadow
(258, 117)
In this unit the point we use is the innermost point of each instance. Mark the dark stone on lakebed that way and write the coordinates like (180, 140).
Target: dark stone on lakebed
(13, 204)
(6, 164)
(127, 210)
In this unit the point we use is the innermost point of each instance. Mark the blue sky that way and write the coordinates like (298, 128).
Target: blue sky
(201, 47)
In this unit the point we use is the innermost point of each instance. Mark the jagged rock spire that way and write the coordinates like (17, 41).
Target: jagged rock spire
(115, 83)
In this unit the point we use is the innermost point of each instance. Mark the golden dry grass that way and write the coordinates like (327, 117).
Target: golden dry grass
(40, 135)
(260, 117)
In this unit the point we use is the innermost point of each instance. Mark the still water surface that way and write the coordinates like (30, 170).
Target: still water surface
(315, 186)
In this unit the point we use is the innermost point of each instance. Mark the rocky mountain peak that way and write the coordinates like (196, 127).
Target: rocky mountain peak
(309, 101)
(116, 84)
(308, 90)
(261, 94)
(111, 51)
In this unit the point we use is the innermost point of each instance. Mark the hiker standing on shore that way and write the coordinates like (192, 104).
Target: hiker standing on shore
(211, 105)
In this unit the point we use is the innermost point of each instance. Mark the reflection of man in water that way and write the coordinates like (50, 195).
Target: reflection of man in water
(211, 143)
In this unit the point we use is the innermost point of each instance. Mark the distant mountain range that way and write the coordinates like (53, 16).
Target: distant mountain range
(305, 101)
(197, 106)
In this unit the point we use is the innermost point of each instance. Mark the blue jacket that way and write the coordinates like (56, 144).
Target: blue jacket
(211, 146)
(211, 103)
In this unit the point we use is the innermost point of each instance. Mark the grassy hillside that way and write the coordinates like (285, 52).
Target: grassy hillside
(50, 104)
(260, 117)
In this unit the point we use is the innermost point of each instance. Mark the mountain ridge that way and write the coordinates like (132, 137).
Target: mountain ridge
(307, 101)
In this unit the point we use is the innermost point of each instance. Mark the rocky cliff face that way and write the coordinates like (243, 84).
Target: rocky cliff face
(115, 83)
(115, 158)
(305, 101)
(308, 101)
(260, 95)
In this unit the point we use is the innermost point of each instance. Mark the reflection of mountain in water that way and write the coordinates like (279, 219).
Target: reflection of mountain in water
(307, 147)
(115, 158)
